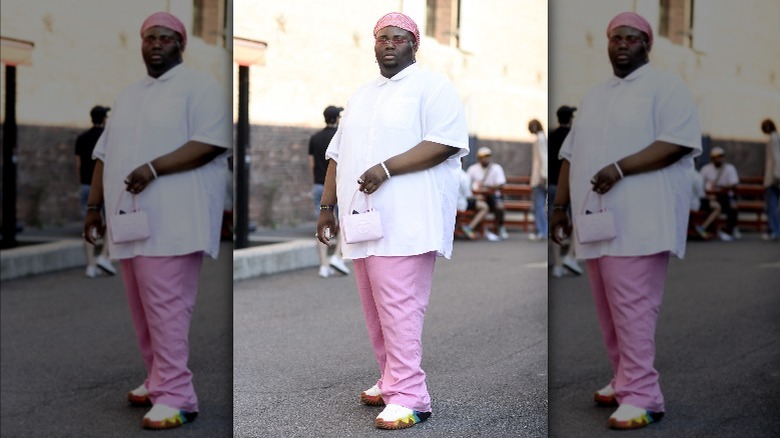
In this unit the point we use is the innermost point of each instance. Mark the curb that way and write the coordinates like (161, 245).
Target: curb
(274, 258)
(41, 258)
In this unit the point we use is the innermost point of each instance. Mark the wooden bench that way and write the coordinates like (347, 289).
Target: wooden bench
(750, 202)
(517, 205)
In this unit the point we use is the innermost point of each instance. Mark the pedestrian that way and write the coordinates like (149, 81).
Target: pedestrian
(772, 179)
(628, 155)
(399, 143)
(561, 258)
(318, 144)
(487, 178)
(539, 180)
(164, 152)
(85, 165)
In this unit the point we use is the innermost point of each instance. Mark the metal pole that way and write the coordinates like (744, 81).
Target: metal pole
(9, 159)
(242, 160)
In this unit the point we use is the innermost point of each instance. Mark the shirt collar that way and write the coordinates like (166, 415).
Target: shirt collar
(398, 76)
(148, 80)
(636, 74)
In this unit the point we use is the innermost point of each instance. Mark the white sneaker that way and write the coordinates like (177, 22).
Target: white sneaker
(724, 236)
(736, 233)
(372, 396)
(631, 417)
(338, 264)
(768, 237)
(533, 237)
(105, 265)
(399, 417)
(571, 264)
(502, 233)
(91, 272)
(165, 417)
(491, 237)
(326, 271)
(557, 272)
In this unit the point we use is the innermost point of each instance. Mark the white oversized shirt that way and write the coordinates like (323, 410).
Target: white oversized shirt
(387, 117)
(621, 117)
(153, 117)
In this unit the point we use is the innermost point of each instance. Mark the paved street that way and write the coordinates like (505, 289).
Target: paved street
(69, 356)
(302, 355)
(717, 347)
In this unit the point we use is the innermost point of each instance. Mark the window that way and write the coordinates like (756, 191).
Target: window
(442, 21)
(676, 21)
(209, 20)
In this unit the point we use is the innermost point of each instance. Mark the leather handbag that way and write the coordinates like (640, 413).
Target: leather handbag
(595, 226)
(361, 227)
(128, 226)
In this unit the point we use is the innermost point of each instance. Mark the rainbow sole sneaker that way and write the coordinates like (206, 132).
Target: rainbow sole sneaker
(631, 417)
(372, 397)
(165, 417)
(139, 397)
(399, 417)
(605, 396)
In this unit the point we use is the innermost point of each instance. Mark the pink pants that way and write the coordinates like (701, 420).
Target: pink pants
(394, 292)
(628, 292)
(161, 293)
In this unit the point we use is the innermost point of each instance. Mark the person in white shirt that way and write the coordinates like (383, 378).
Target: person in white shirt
(400, 141)
(164, 151)
(772, 179)
(467, 202)
(720, 180)
(487, 178)
(630, 152)
(539, 180)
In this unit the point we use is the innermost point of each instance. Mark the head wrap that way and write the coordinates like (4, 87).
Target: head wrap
(634, 21)
(167, 21)
(400, 20)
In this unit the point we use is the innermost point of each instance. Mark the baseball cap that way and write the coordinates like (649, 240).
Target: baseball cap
(332, 112)
(484, 152)
(98, 113)
(565, 111)
(717, 152)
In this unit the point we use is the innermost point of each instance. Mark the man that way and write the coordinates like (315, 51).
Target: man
(772, 179)
(164, 152)
(318, 144)
(539, 180)
(399, 142)
(630, 151)
(487, 178)
(720, 180)
(85, 165)
(565, 114)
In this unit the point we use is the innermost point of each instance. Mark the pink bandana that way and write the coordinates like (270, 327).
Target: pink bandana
(634, 21)
(167, 21)
(399, 20)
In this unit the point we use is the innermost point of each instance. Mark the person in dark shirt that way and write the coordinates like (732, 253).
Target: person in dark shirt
(85, 165)
(318, 144)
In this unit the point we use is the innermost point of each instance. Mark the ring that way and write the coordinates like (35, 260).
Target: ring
(316, 235)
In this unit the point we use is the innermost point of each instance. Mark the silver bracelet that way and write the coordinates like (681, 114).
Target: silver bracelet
(387, 172)
(154, 172)
(620, 171)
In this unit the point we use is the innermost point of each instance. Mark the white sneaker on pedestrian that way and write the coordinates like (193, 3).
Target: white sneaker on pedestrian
(105, 265)
(724, 236)
(571, 264)
(502, 233)
(326, 271)
(91, 272)
(338, 264)
(533, 237)
(557, 271)
(491, 237)
(768, 237)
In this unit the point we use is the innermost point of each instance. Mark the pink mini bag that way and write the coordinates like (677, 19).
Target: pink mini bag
(130, 226)
(361, 227)
(595, 226)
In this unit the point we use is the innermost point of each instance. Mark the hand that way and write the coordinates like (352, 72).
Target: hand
(370, 181)
(605, 179)
(139, 179)
(326, 227)
(560, 226)
(93, 227)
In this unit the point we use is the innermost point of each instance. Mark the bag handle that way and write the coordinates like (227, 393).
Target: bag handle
(585, 201)
(119, 201)
(352, 203)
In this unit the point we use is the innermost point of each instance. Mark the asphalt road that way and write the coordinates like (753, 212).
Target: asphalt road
(302, 355)
(717, 347)
(69, 356)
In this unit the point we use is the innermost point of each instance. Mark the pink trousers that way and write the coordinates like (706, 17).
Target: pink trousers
(627, 293)
(161, 293)
(395, 292)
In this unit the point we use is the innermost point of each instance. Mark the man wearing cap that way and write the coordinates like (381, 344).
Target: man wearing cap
(164, 152)
(720, 180)
(318, 144)
(487, 178)
(85, 164)
(630, 152)
(399, 142)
